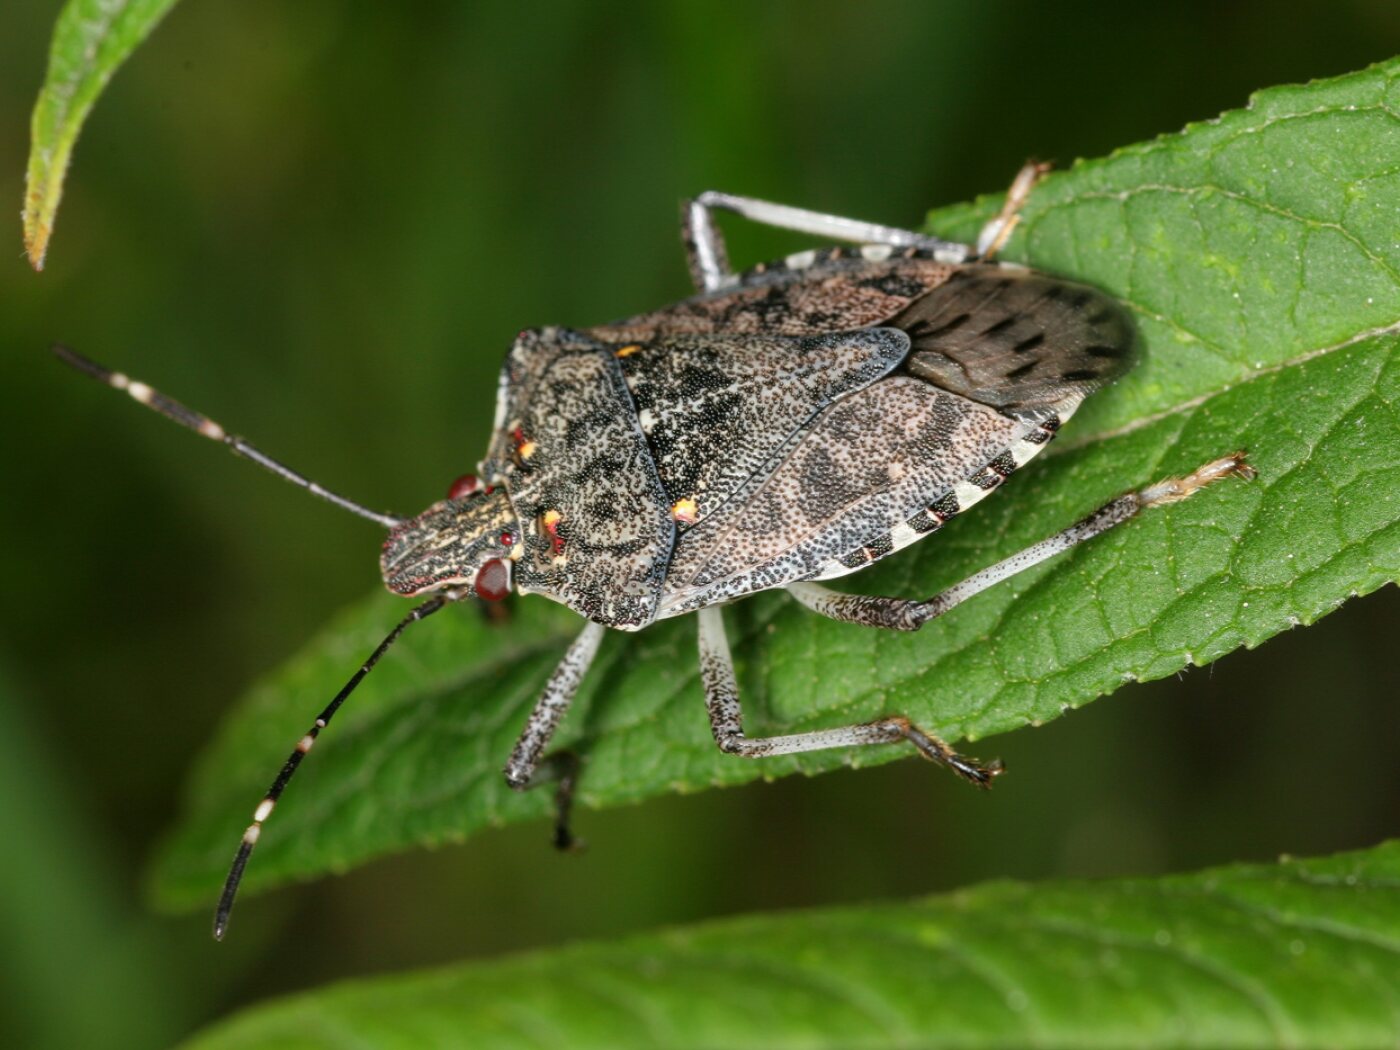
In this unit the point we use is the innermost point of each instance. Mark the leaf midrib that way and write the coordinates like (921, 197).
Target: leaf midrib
(1081, 440)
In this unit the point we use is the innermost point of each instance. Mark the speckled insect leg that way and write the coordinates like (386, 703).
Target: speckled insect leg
(709, 266)
(705, 252)
(997, 232)
(904, 615)
(726, 718)
(550, 708)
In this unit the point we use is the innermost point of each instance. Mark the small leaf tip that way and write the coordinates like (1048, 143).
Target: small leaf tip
(36, 233)
(36, 253)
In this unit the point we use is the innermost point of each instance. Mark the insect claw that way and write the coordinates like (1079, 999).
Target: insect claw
(1171, 490)
(1240, 468)
(979, 775)
(565, 842)
(935, 750)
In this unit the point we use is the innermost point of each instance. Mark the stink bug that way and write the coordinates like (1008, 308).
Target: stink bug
(786, 425)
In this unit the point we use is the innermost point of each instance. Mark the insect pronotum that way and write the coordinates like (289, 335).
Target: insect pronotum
(786, 425)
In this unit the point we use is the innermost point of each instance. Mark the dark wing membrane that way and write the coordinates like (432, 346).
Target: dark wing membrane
(1016, 339)
(716, 408)
(597, 531)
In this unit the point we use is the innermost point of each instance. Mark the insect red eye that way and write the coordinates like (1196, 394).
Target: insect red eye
(493, 580)
(466, 485)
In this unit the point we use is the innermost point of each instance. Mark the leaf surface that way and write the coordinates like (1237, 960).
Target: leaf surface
(1260, 254)
(90, 40)
(1302, 953)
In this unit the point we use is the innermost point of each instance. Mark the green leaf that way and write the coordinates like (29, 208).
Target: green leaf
(1302, 953)
(91, 39)
(1259, 254)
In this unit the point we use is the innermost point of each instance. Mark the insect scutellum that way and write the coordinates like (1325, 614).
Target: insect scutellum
(787, 425)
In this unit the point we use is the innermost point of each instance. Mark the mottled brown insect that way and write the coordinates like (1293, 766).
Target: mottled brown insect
(787, 425)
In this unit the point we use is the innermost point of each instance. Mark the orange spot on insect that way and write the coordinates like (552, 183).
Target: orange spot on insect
(524, 447)
(685, 511)
(628, 350)
(550, 519)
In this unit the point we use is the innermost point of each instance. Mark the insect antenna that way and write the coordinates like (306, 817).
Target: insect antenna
(265, 807)
(201, 424)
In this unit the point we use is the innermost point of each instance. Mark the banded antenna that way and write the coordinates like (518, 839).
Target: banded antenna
(289, 767)
(203, 425)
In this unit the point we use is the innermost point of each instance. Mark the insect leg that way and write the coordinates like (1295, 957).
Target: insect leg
(901, 614)
(726, 718)
(705, 246)
(550, 708)
(289, 768)
(561, 768)
(997, 231)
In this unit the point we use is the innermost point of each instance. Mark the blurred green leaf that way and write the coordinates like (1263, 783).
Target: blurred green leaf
(90, 40)
(1259, 253)
(71, 932)
(1302, 953)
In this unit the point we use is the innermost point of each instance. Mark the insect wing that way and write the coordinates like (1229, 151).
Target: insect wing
(874, 472)
(1000, 357)
(717, 408)
(1016, 339)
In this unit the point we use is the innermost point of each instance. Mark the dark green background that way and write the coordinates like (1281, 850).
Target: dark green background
(323, 224)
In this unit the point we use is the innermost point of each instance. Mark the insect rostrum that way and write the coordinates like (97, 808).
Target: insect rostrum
(785, 426)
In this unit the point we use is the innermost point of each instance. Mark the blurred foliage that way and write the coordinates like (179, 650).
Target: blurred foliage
(323, 225)
(1301, 953)
(91, 40)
